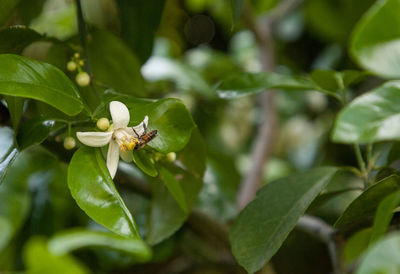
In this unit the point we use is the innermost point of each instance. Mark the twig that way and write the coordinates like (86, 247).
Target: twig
(325, 233)
(83, 35)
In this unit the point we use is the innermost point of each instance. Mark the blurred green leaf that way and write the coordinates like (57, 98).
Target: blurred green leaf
(173, 187)
(6, 9)
(366, 204)
(139, 23)
(114, 64)
(166, 216)
(39, 260)
(8, 151)
(250, 83)
(24, 77)
(193, 156)
(15, 107)
(370, 117)
(143, 161)
(237, 8)
(70, 240)
(14, 39)
(384, 215)
(185, 76)
(168, 116)
(29, 9)
(382, 257)
(356, 245)
(33, 132)
(336, 80)
(94, 191)
(375, 46)
(265, 222)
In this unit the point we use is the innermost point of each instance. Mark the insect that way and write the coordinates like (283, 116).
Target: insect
(144, 138)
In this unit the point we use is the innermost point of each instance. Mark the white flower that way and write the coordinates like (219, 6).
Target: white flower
(121, 139)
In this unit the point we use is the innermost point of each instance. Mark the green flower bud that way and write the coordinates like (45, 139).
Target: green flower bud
(71, 66)
(83, 79)
(103, 124)
(69, 143)
(171, 157)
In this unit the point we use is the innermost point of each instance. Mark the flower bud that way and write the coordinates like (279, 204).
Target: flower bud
(83, 79)
(71, 66)
(171, 157)
(69, 143)
(76, 55)
(103, 124)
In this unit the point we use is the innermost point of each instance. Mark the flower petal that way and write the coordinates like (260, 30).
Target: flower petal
(138, 130)
(94, 139)
(112, 158)
(120, 114)
(127, 156)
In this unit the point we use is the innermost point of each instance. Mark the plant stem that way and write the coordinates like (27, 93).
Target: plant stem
(361, 164)
(83, 35)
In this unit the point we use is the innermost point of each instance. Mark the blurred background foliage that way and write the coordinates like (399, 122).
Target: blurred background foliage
(177, 49)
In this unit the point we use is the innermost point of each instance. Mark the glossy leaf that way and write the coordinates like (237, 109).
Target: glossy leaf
(38, 259)
(375, 46)
(194, 155)
(24, 77)
(71, 240)
(336, 80)
(366, 204)
(186, 78)
(173, 187)
(94, 191)
(250, 83)
(114, 64)
(140, 20)
(166, 216)
(265, 222)
(15, 107)
(384, 215)
(168, 116)
(8, 151)
(33, 132)
(14, 39)
(143, 161)
(382, 257)
(370, 117)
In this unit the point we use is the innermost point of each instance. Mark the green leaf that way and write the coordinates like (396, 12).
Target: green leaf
(71, 240)
(265, 222)
(336, 80)
(166, 216)
(382, 257)
(94, 191)
(114, 64)
(143, 161)
(8, 151)
(384, 215)
(237, 8)
(375, 46)
(33, 132)
(356, 245)
(38, 259)
(194, 155)
(140, 19)
(29, 10)
(366, 204)
(174, 188)
(24, 77)
(15, 107)
(6, 9)
(250, 83)
(370, 117)
(168, 116)
(14, 39)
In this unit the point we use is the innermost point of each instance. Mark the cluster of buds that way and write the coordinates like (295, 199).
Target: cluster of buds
(76, 64)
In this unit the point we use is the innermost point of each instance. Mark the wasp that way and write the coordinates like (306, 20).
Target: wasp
(143, 139)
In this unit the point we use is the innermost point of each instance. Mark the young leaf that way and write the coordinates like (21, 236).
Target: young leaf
(94, 191)
(70, 240)
(382, 257)
(384, 215)
(375, 46)
(33, 132)
(24, 77)
(371, 117)
(174, 187)
(142, 160)
(265, 222)
(250, 83)
(336, 80)
(366, 204)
